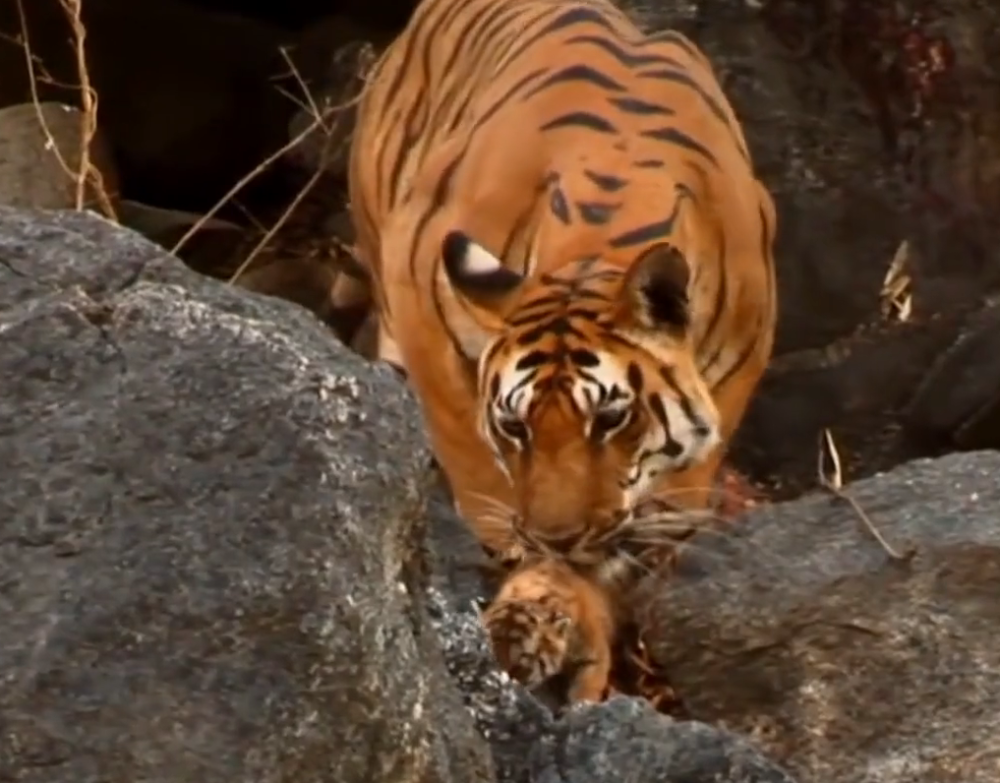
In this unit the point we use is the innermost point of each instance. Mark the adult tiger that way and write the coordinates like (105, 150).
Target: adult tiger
(571, 258)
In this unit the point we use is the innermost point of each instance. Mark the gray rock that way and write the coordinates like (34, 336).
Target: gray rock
(594, 744)
(214, 557)
(212, 566)
(621, 740)
(958, 402)
(798, 630)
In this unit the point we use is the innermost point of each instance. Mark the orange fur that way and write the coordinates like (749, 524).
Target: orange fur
(571, 258)
(547, 619)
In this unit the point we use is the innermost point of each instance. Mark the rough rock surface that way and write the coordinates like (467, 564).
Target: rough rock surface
(846, 665)
(215, 567)
(211, 571)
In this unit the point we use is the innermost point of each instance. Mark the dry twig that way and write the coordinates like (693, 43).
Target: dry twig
(87, 175)
(318, 122)
(896, 297)
(833, 482)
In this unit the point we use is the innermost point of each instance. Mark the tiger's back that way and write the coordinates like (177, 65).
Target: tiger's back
(561, 221)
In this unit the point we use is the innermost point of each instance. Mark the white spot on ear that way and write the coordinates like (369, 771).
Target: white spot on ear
(479, 261)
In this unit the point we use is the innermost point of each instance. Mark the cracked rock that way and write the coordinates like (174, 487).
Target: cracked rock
(799, 630)
(209, 570)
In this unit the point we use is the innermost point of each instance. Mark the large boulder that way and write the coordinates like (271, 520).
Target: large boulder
(212, 570)
(215, 556)
(845, 662)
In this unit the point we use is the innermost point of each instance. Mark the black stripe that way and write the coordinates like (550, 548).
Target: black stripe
(516, 229)
(718, 306)
(595, 213)
(576, 73)
(533, 359)
(609, 183)
(678, 77)
(648, 163)
(469, 376)
(503, 57)
(681, 139)
(559, 205)
(574, 16)
(748, 351)
(560, 327)
(441, 192)
(641, 107)
(410, 136)
(504, 99)
(687, 407)
(634, 378)
(495, 28)
(652, 231)
(680, 41)
(580, 119)
(468, 44)
(627, 59)
(404, 69)
(469, 34)
(584, 358)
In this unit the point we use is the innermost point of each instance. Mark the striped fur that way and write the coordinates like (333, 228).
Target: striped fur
(570, 256)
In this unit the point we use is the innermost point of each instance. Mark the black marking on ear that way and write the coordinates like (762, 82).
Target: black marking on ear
(456, 249)
(658, 281)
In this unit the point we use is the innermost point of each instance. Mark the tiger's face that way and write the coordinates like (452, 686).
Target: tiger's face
(589, 391)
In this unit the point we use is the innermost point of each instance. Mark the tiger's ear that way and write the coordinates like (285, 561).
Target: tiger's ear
(655, 292)
(474, 271)
(479, 277)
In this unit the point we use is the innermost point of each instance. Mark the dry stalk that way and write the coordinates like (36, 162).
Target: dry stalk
(318, 122)
(86, 174)
(833, 482)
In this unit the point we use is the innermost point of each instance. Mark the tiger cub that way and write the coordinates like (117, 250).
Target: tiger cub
(550, 620)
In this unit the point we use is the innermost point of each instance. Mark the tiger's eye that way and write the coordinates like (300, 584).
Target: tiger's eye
(608, 420)
(515, 429)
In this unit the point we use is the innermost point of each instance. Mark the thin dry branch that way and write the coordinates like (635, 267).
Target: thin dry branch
(86, 173)
(833, 482)
(318, 122)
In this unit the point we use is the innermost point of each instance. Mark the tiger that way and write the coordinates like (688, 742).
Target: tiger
(569, 257)
(549, 620)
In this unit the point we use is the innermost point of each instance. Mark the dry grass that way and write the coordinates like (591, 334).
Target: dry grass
(832, 480)
(87, 178)
(327, 121)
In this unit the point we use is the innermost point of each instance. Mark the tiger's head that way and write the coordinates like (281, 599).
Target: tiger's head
(588, 389)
